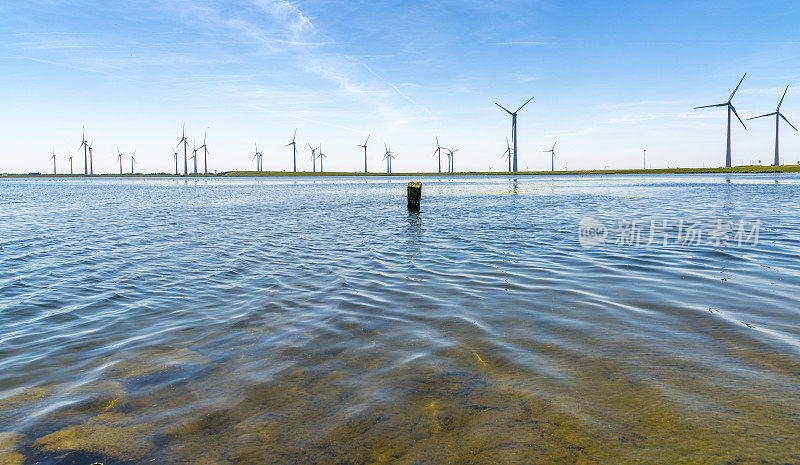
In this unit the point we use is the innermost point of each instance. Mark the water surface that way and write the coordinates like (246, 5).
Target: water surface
(319, 321)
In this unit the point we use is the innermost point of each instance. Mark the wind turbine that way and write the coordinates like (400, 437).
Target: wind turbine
(205, 154)
(778, 116)
(85, 148)
(70, 164)
(294, 151)
(91, 162)
(730, 107)
(451, 159)
(119, 155)
(54, 160)
(133, 159)
(365, 152)
(388, 156)
(185, 143)
(194, 157)
(175, 152)
(507, 154)
(257, 158)
(439, 152)
(313, 157)
(552, 156)
(514, 127)
(320, 158)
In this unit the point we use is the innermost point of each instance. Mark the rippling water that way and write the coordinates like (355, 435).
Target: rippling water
(319, 321)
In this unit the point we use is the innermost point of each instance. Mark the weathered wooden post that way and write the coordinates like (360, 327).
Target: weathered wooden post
(414, 195)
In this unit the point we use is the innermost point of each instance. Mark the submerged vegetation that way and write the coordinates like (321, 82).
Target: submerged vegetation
(477, 408)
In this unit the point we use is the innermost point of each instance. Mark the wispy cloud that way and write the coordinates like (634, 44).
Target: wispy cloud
(524, 42)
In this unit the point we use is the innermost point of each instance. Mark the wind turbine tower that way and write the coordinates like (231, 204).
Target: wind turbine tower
(293, 143)
(507, 154)
(85, 148)
(91, 162)
(730, 108)
(364, 145)
(514, 128)
(185, 143)
(194, 157)
(205, 154)
(552, 152)
(133, 159)
(438, 151)
(778, 115)
(388, 156)
(257, 158)
(313, 158)
(119, 156)
(320, 158)
(451, 159)
(54, 160)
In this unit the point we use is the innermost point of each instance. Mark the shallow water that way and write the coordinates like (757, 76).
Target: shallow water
(319, 321)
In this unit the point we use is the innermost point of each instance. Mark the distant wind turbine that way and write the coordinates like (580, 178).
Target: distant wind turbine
(70, 164)
(313, 157)
(293, 143)
(778, 116)
(507, 154)
(552, 152)
(54, 160)
(133, 159)
(205, 154)
(194, 157)
(185, 143)
(119, 156)
(85, 148)
(388, 156)
(257, 158)
(91, 160)
(730, 107)
(451, 159)
(320, 158)
(364, 145)
(438, 151)
(514, 128)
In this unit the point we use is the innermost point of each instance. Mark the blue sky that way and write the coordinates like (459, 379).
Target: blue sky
(609, 79)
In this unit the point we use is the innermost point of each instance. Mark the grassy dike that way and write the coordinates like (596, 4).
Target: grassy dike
(732, 170)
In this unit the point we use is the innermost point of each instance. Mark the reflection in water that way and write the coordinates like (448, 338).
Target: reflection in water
(309, 321)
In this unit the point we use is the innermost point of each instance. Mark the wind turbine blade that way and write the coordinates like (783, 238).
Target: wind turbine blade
(737, 116)
(710, 106)
(784, 96)
(737, 87)
(554, 145)
(787, 121)
(756, 117)
(504, 108)
(520, 108)
(365, 142)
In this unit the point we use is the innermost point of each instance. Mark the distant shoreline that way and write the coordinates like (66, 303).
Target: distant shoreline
(751, 169)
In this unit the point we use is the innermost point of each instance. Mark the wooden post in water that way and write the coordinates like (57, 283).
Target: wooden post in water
(414, 195)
